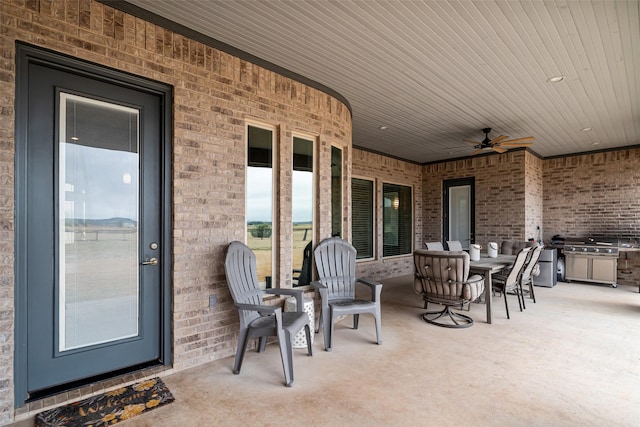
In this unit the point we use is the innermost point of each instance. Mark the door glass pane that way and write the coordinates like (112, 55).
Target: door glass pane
(98, 222)
(460, 215)
(260, 201)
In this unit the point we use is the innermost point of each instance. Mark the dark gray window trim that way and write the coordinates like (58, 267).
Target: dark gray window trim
(141, 13)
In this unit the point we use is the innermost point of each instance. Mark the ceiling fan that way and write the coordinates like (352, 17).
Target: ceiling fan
(499, 144)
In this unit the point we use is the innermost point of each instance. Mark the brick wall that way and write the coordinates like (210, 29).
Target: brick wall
(533, 167)
(596, 194)
(500, 190)
(388, 170)
(593, 194)
(214, 94)
(7, 220)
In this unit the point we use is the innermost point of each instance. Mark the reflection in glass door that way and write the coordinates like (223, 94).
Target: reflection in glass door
(98, 192)
(459, 211)
(459, 215)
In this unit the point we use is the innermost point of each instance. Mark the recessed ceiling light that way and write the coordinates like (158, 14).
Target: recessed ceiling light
(586, 129)
(555, 79)
(384, 127)
(595, 143)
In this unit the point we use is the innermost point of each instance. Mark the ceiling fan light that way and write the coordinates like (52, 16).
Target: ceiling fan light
(555, 79)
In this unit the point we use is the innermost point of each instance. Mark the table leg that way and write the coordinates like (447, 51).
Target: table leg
(487, 294)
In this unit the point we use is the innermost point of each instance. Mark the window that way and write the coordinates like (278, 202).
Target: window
(336, 191)
(302, 205)
(362, 196)
(259, 213)
(397, 223)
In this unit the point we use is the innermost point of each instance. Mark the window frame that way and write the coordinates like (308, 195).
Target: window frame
(374, 216)
(274, 282)
(314, 184)
(338, 200)
(412, 213)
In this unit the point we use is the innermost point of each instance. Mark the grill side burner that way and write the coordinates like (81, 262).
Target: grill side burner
(592, 260)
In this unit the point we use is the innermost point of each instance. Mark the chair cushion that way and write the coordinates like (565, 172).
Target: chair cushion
(442, 277)
(512, 247)
(472, 291)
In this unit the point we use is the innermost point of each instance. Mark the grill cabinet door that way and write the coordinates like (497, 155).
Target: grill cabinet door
(577, 267)
(604, 269)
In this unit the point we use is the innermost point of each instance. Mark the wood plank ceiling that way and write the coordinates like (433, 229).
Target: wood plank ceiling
(437, 72)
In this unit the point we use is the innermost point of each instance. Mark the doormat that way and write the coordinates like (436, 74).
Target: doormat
(109, 408)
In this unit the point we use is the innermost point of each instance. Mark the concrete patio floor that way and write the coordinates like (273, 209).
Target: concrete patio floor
(571, 359)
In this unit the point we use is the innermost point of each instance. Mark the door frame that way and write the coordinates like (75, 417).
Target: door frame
(27, 54)
(458, 182)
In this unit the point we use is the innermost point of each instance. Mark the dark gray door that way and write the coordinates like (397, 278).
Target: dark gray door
(91, 199)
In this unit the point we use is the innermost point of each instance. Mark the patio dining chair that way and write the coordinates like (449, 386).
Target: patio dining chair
(336, 264)
(442, 277)
(454, 245)
(509, 281)
(528, 273)
(434, 246)
(258, 320)
(302, 276)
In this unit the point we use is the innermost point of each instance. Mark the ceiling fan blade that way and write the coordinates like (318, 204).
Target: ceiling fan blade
(514, 145)
(472, 142)
(498, 139)
(525, 139)
(497, 149)
(479, 150)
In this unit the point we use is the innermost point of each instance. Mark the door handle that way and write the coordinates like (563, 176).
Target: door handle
(152, 261)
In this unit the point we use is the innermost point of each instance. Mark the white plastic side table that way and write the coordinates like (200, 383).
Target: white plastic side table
(300, 340)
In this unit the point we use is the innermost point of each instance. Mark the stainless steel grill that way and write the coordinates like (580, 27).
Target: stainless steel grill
(592, 259)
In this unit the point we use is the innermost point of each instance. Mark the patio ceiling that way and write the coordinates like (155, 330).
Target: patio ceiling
(437, 72)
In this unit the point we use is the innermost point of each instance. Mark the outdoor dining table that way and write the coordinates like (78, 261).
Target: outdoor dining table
(487, 267)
